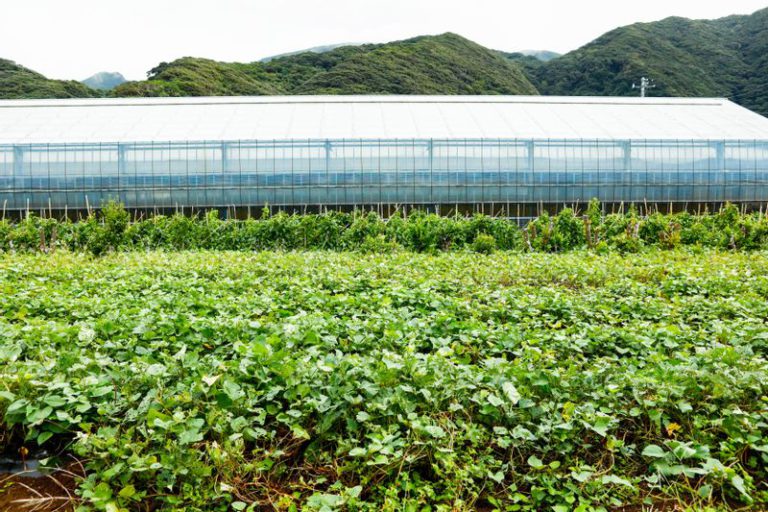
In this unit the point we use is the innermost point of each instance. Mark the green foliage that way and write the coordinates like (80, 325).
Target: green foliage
(418, 231)
(191, 76)
(18, 82)
(727, 57)
(378, 244)
(484, 244)
(24, 235)
(103, 232)
(363, 227)
(663, 230)
(569, 230)
(444, 64)
(115, 221)
(594, 211)
(563, 232)
(207, 381)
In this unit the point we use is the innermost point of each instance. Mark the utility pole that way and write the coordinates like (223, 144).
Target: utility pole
(645, 84)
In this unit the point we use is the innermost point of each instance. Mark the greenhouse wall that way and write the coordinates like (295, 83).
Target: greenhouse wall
(328, 173)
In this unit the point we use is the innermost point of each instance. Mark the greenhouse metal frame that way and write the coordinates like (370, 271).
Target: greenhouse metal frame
(317, 173)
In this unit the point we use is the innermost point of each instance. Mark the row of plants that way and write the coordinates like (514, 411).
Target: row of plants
(112, 229)
(322, 381)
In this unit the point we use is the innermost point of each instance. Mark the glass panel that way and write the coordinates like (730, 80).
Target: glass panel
(370, 172)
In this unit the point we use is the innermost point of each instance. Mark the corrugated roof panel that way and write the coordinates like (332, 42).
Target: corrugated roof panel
(398, 121)
(370, 117)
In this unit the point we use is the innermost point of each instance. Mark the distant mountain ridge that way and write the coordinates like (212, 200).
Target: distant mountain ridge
(444, 64)
(315, 49)
(104, 81)
(542, 55)
(724, 57)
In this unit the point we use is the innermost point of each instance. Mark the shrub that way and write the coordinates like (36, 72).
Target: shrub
(613, 225)
(280, 232)
(593, 220)
(626, 243)
(484, 244)
(5, 233)
(25, 235)
(568, 231)
(116, 220)
(661, 230)
(539, 233)
(182, 232)
(378, 244)
(753, 232)
(324, 231)
(594, 212)
(148, 233)
(563, 232)
(364, 226)
(420, 231)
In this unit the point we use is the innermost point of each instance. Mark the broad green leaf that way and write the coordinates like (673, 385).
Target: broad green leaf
(510, 391)
(738, 484)
(535, 462)
(42, 437)
(435, 431)
(654, 451)
(127, 492)
(613, 479)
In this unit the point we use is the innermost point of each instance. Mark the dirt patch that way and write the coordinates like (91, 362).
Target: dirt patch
(54, 492)
(662, 506)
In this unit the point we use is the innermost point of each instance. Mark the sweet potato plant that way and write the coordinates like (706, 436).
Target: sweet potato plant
(400, 381)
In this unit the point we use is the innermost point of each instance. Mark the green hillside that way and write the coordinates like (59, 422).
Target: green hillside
(446, 64)
(191, 76)
(752, 92)
(293, 71)
(18, 82)
(725, 57)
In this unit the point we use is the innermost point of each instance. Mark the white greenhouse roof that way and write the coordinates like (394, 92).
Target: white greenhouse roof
(373, 117)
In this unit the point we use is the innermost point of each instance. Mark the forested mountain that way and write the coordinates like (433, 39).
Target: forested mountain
(19, 82)
(445, 64)
(191, 76)
(724, 57)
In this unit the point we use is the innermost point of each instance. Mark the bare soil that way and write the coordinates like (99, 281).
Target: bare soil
(40, 493)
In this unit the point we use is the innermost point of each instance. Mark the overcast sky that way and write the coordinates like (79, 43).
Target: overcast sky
(75, 38)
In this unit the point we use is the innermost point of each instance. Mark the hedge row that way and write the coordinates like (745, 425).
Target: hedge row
(112, 230)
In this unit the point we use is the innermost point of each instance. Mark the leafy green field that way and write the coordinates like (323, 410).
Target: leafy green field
(331, 380)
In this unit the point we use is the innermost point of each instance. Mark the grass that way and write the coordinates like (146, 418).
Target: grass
(341, 381)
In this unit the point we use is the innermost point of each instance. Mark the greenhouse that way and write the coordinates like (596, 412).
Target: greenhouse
(345, 152)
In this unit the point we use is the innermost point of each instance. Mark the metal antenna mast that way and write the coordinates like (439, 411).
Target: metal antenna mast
(645, 84)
